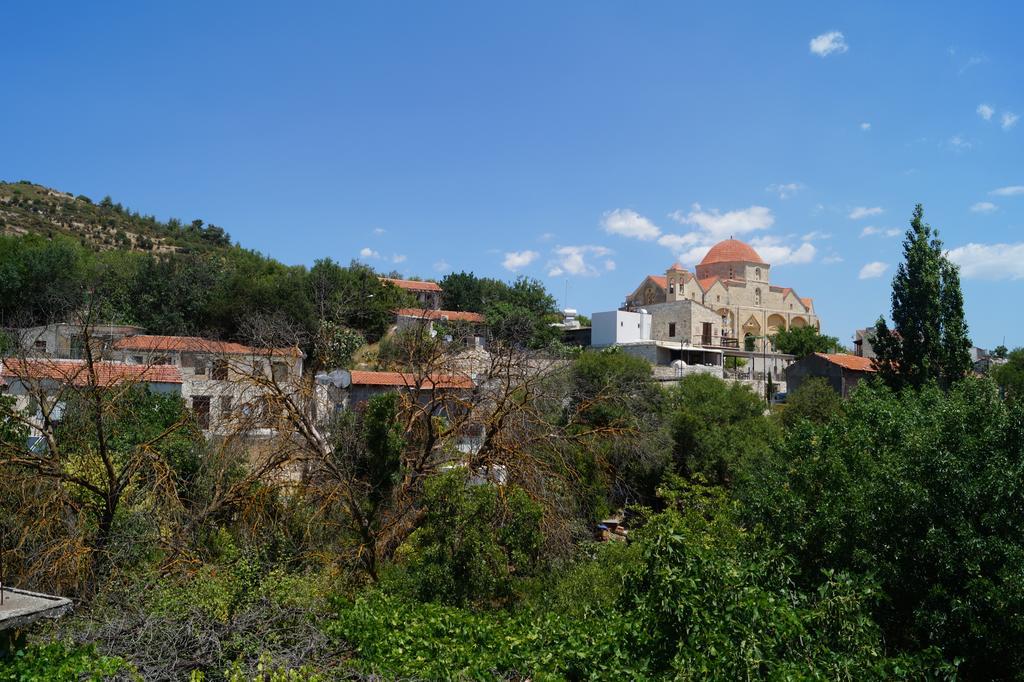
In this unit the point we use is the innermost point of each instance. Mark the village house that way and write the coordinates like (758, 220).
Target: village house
(842, 371)
(427, 294)
(66, 340)
(40, 386)
(219, 378)
(469, 324)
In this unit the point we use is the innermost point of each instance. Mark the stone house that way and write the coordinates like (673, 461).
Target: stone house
(842, 371)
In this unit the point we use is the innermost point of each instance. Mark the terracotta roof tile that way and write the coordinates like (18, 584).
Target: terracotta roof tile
(194, 344)
(76, 372)
(732, 251)
(412, 284)
(408, 380)
(851, 362)
(453, 315)
(707, 282)
(660, 280)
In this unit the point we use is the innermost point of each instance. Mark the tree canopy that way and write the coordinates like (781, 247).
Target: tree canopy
(929, 341)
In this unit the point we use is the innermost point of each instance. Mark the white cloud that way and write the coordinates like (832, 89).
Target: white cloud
(609, 265)
(985, 111)
(515, 260)
(972, 62)
(811, 236)
(1008, 120)
(785, 190)
(865, 212)
(989, 261)
(1011, 191)
(865, 126)
(572, 260)
(546, 237)
(871, 230)
(398, 258)
(983, 207)
(777, 253)
(828, 43)
(629, 223)
(367, 252)
(678, 242)
(872, 270)
(442, 266)
(720, 225)
(832, 259)
(959, 143)
(378, 230)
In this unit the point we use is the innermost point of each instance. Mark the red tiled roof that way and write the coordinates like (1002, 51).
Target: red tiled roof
(76, 372)
(660, 280)
(732, 251)
(707, 282)
(807, 302)
(677, 266)
(852, 362)
(453, 315)
(407, 379)
(194, 344)
(412, 284)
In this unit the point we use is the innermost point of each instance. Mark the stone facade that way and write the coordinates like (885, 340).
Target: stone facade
(732, 281)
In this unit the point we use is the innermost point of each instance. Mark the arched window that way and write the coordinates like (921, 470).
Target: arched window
(757, 297)
(757, 274)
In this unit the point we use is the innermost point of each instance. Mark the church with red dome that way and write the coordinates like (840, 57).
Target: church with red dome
(728, 300)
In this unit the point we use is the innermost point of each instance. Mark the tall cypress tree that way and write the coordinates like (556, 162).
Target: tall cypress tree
(929, 342)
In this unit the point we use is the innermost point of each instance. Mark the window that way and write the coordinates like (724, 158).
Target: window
(280, 371)
(671, 288)
(718, 298)
(40, 345)
(225, 406)
(138, 360)
(201, 407)
(671, 329)
(219, 370)
(757, 274)
(757, 297)
(257, 368)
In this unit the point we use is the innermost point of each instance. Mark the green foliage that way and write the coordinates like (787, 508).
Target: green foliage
(692, 599)
(1010, 376)
(924, 492)
(62, 662)
(1000, 352)
(336, 345)
(815, 400)
(519, 313)
(803, 341)
(613, 389)
(716, 426)
(929, 342)
(474, 541)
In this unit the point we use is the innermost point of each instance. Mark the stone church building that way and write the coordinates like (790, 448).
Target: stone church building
(729, 301)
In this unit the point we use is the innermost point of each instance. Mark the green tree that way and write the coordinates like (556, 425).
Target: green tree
(473, 542)
(923, 492)
(802, 341)
(1000, 352)
(715, 426)
(1010, 376)
(929, 341)
(815, 401)
(336, 345)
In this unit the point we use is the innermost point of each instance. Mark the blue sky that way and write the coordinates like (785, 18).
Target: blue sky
(585, 143)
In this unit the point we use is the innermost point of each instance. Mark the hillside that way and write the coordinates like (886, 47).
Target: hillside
(27, 208)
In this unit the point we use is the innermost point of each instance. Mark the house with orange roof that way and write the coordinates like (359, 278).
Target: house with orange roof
(729, 301)
(220, 379)
(427, 294)
(842, 371)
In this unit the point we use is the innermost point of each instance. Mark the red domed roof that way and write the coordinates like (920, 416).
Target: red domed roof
(732, 251)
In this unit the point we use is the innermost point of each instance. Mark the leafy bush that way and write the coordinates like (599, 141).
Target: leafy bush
(924, 492)
(62, 662)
